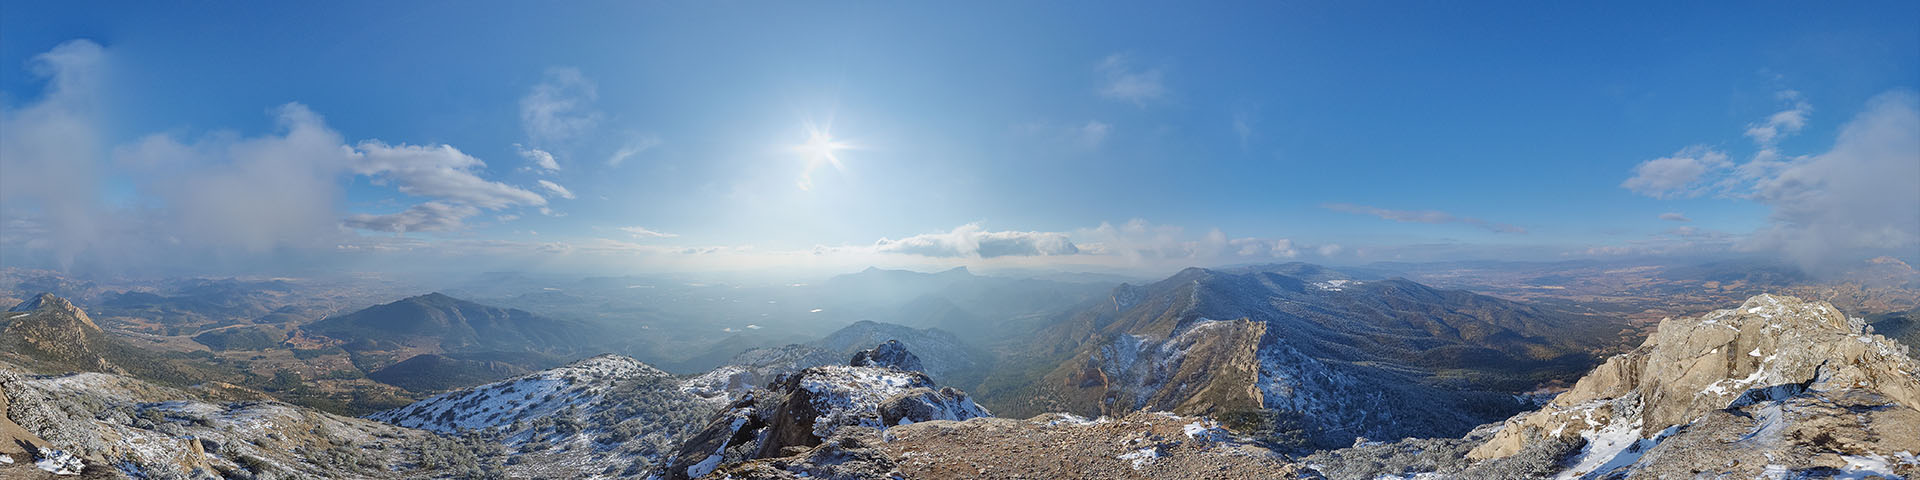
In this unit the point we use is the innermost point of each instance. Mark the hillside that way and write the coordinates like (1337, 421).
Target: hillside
(607, 415)
(47, 333)
(109, 426)
(1315, 360)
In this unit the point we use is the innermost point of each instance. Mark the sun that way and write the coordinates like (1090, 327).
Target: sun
(821, 145)
(819, 149)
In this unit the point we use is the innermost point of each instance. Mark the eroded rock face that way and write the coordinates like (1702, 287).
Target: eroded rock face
(798, 412)
(888, 355)
(1787, 384)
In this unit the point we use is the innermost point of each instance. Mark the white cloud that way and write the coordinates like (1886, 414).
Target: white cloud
(1121, 80)
(540, 160)
(556, 189)
(1139, 242)
(972, 240)
(1675, 217)
(1855, 199)
(560, 107)
(48, 156)
(1683, 174)
(642, 232)
(425, 217)
(1786, 122)
(633, 147)
(254, 193)
(438, 171)
(1423, 216)
(219, 199)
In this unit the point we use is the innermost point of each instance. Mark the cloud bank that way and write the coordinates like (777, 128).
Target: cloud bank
(973, 241)
(1853, 201)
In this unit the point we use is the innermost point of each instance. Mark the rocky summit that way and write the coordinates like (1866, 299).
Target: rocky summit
(1777, 387)
(805, 409)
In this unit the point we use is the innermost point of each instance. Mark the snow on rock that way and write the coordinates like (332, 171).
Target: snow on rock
(605, 412)
(849, 396)
(888, 355)
(804, 409)
(59, 462)
(1767, 376)
(520, 398)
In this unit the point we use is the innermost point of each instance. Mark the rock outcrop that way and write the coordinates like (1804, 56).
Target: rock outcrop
(888, 355)
(110, 426)
(1776, 386)
(802, 410)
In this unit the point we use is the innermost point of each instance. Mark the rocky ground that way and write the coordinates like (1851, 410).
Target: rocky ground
(1142, 445)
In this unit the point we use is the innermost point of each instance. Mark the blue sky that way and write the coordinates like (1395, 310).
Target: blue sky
(1084, 135)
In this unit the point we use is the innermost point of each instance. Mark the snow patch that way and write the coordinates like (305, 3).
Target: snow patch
(1142, 457)
(59, 462)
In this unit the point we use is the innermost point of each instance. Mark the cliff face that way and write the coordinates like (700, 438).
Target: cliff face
(1776, 385)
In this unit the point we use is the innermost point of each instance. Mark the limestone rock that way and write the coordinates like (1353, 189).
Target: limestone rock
(1779, 382)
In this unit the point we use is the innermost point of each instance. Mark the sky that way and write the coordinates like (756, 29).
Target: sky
(605, 137)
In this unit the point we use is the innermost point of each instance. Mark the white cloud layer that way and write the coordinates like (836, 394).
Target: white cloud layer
(425, 217)
(971, 240)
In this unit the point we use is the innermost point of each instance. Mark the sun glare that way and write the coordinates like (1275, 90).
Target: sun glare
(820, 148)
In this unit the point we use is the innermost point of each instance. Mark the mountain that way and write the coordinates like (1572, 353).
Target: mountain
(436, 323)
(99, 425)
(1313, 360)
(607, 415)
(49, 334)
(49, 330)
